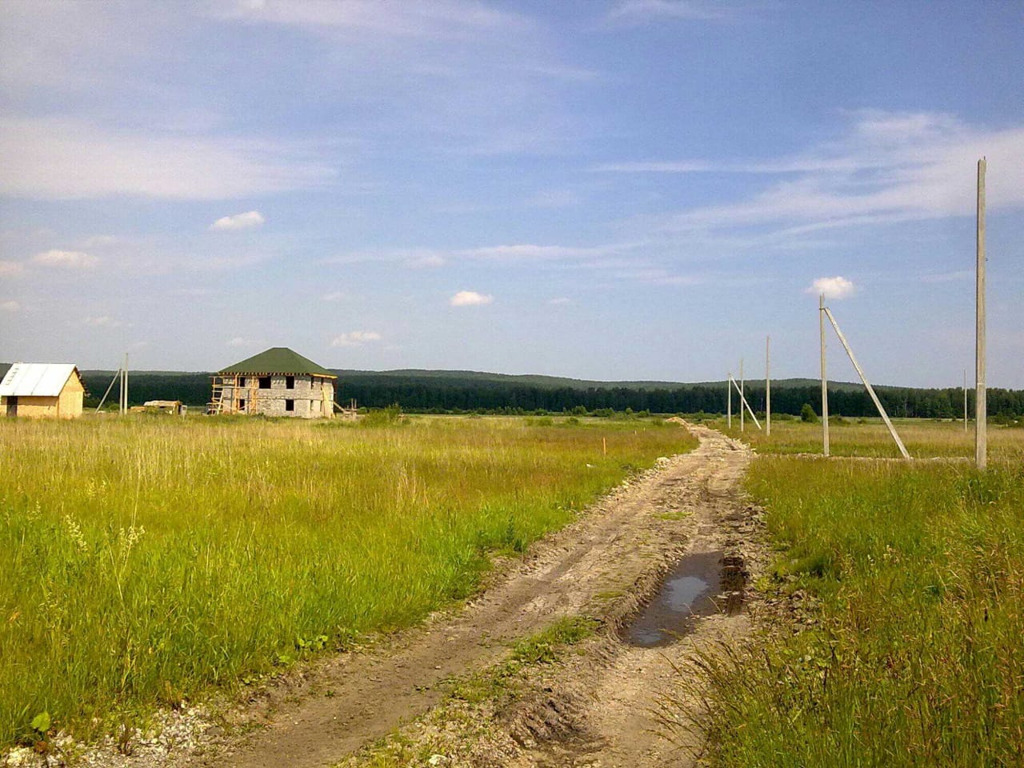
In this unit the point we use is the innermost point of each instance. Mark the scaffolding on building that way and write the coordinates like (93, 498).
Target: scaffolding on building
(234, 394)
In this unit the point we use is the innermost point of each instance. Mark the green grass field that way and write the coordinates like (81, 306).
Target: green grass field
(146, 559)
(869, 437)
(915, 575)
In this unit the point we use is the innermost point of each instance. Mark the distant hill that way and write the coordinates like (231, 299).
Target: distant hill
(556, 382)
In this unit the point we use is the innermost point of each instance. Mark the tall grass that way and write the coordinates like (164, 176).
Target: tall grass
(144, 559)
(870, 438)
(913, 657)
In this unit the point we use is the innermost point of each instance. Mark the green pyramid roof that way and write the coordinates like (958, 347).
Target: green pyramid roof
(279, 360)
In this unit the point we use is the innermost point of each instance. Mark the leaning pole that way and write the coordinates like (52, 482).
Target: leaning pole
(824, 377)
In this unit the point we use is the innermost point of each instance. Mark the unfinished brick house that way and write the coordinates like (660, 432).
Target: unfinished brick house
(277, 382)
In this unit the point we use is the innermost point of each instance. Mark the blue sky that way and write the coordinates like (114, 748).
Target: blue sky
(631, 189)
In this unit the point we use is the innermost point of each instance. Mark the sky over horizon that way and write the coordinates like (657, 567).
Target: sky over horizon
(612, 190)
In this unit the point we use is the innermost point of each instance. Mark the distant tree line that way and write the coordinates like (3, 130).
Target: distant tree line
(193, 389)
(452, 394)
(899, 402)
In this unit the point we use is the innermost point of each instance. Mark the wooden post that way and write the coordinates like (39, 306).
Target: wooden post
(728, 388)
(742, 395)
(768, 386)
(980, 399)
(604, 446)
(867, 385)
(824, 377)
(965, 399)
(123, 388)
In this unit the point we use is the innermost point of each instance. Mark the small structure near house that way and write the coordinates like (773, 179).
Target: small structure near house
(42, 390)
(174, 407)
(277, 382)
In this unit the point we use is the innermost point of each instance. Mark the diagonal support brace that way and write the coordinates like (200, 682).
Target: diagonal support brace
(867, 384)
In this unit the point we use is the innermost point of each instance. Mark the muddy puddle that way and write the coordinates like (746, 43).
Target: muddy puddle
(702, 583)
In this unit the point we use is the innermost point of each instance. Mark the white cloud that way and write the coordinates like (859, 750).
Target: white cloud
(470, 299)
(239, 341)
(101, 321)
(101, 241)
(832, 287)
(559, 301)
(889, 167)
(643, 11)
(414, 258)
(355, 338)
(10, 268)
(530, 252)
(66, 259)
(194, 292)
(57, 159)
(432, 64)
(787, 165)
(426, 261)
(554, 198)
(246, 220)
(10, 306)
(334, 296)
(423, 258)
(410, 18)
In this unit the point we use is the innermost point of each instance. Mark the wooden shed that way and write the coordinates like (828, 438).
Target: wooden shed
(277, 382)
(42, 390)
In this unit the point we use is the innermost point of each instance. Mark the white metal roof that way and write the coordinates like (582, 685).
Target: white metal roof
(36, 379)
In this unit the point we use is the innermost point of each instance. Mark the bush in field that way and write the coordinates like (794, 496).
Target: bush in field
(383, 416)
(808, 415)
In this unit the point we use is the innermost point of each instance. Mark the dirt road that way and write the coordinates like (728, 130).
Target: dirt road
(618, 688)
(619, 548)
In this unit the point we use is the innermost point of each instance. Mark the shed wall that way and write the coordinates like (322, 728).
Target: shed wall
(36, 407)
(67, 405)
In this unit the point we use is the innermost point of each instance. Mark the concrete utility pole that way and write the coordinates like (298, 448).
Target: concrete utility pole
(742, 395)
(768, 385)
(728, 387)
(981, 404)
(824, 376)
(124, 387)
(965, 399)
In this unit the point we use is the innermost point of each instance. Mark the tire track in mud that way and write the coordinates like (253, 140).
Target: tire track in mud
(621, 546)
